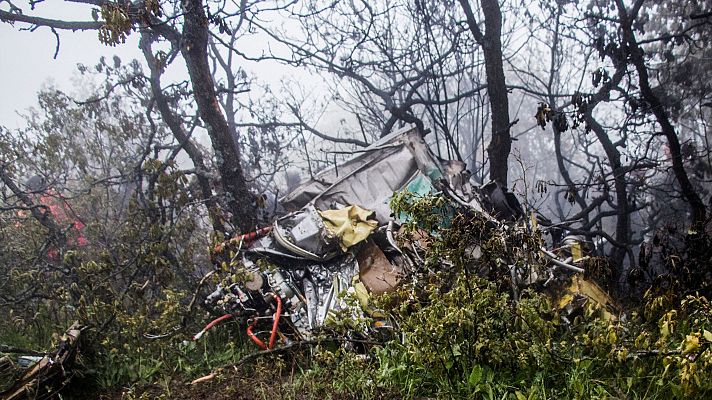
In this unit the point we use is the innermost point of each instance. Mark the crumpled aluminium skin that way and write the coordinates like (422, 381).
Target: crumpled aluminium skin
(326, 247)
(304, 234)
(370, 178)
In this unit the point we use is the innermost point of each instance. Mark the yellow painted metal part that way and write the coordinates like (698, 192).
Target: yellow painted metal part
(576, 253)
(590, 290)
(350, 224)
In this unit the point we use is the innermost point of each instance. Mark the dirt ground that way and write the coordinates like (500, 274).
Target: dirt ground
(226, 385)
(234, 384)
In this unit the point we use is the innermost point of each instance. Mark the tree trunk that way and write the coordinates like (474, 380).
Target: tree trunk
(176, 127)
(661, 115)
(622, 207)
(195, 51)
(501, 143)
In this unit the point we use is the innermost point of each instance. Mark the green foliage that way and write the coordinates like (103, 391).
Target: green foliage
(338, 374)
(421, 212)
(462, 336)
(118, 20)
(143, 245)
(459, 333)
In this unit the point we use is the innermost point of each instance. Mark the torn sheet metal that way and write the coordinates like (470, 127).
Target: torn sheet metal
(501, 202)
(370, 179)
(304, 234)
(319, 235)
(340, 241)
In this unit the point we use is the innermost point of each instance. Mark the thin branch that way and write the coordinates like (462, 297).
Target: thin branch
(315, 132)
(6, 16)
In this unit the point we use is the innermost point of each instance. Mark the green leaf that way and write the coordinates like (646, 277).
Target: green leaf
(475, 376)
(707, 335)
(456, 350)
(489, 377)
(691, 344)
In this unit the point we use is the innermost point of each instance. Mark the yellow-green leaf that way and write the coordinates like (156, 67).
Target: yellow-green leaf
(691, 343)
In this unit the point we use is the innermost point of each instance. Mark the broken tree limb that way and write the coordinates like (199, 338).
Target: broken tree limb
(300, 344)
(204, 378)
(48, 368)
(16, 350)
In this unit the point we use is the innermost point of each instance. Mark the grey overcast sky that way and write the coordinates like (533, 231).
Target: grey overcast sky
(27, 64)
(26, 58)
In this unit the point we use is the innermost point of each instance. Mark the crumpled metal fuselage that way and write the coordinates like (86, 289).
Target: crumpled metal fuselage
(336, 245)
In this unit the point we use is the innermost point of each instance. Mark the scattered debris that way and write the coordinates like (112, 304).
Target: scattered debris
(205, 378)
(339, 242)
(37, 377)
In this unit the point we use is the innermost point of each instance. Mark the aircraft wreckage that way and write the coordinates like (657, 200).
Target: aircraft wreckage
(340, 238)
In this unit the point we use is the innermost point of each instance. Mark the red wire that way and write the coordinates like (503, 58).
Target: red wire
(258, 342)
(212, 324)
(216, 321)
(246, 238)
(254, 338)
(275, 324)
